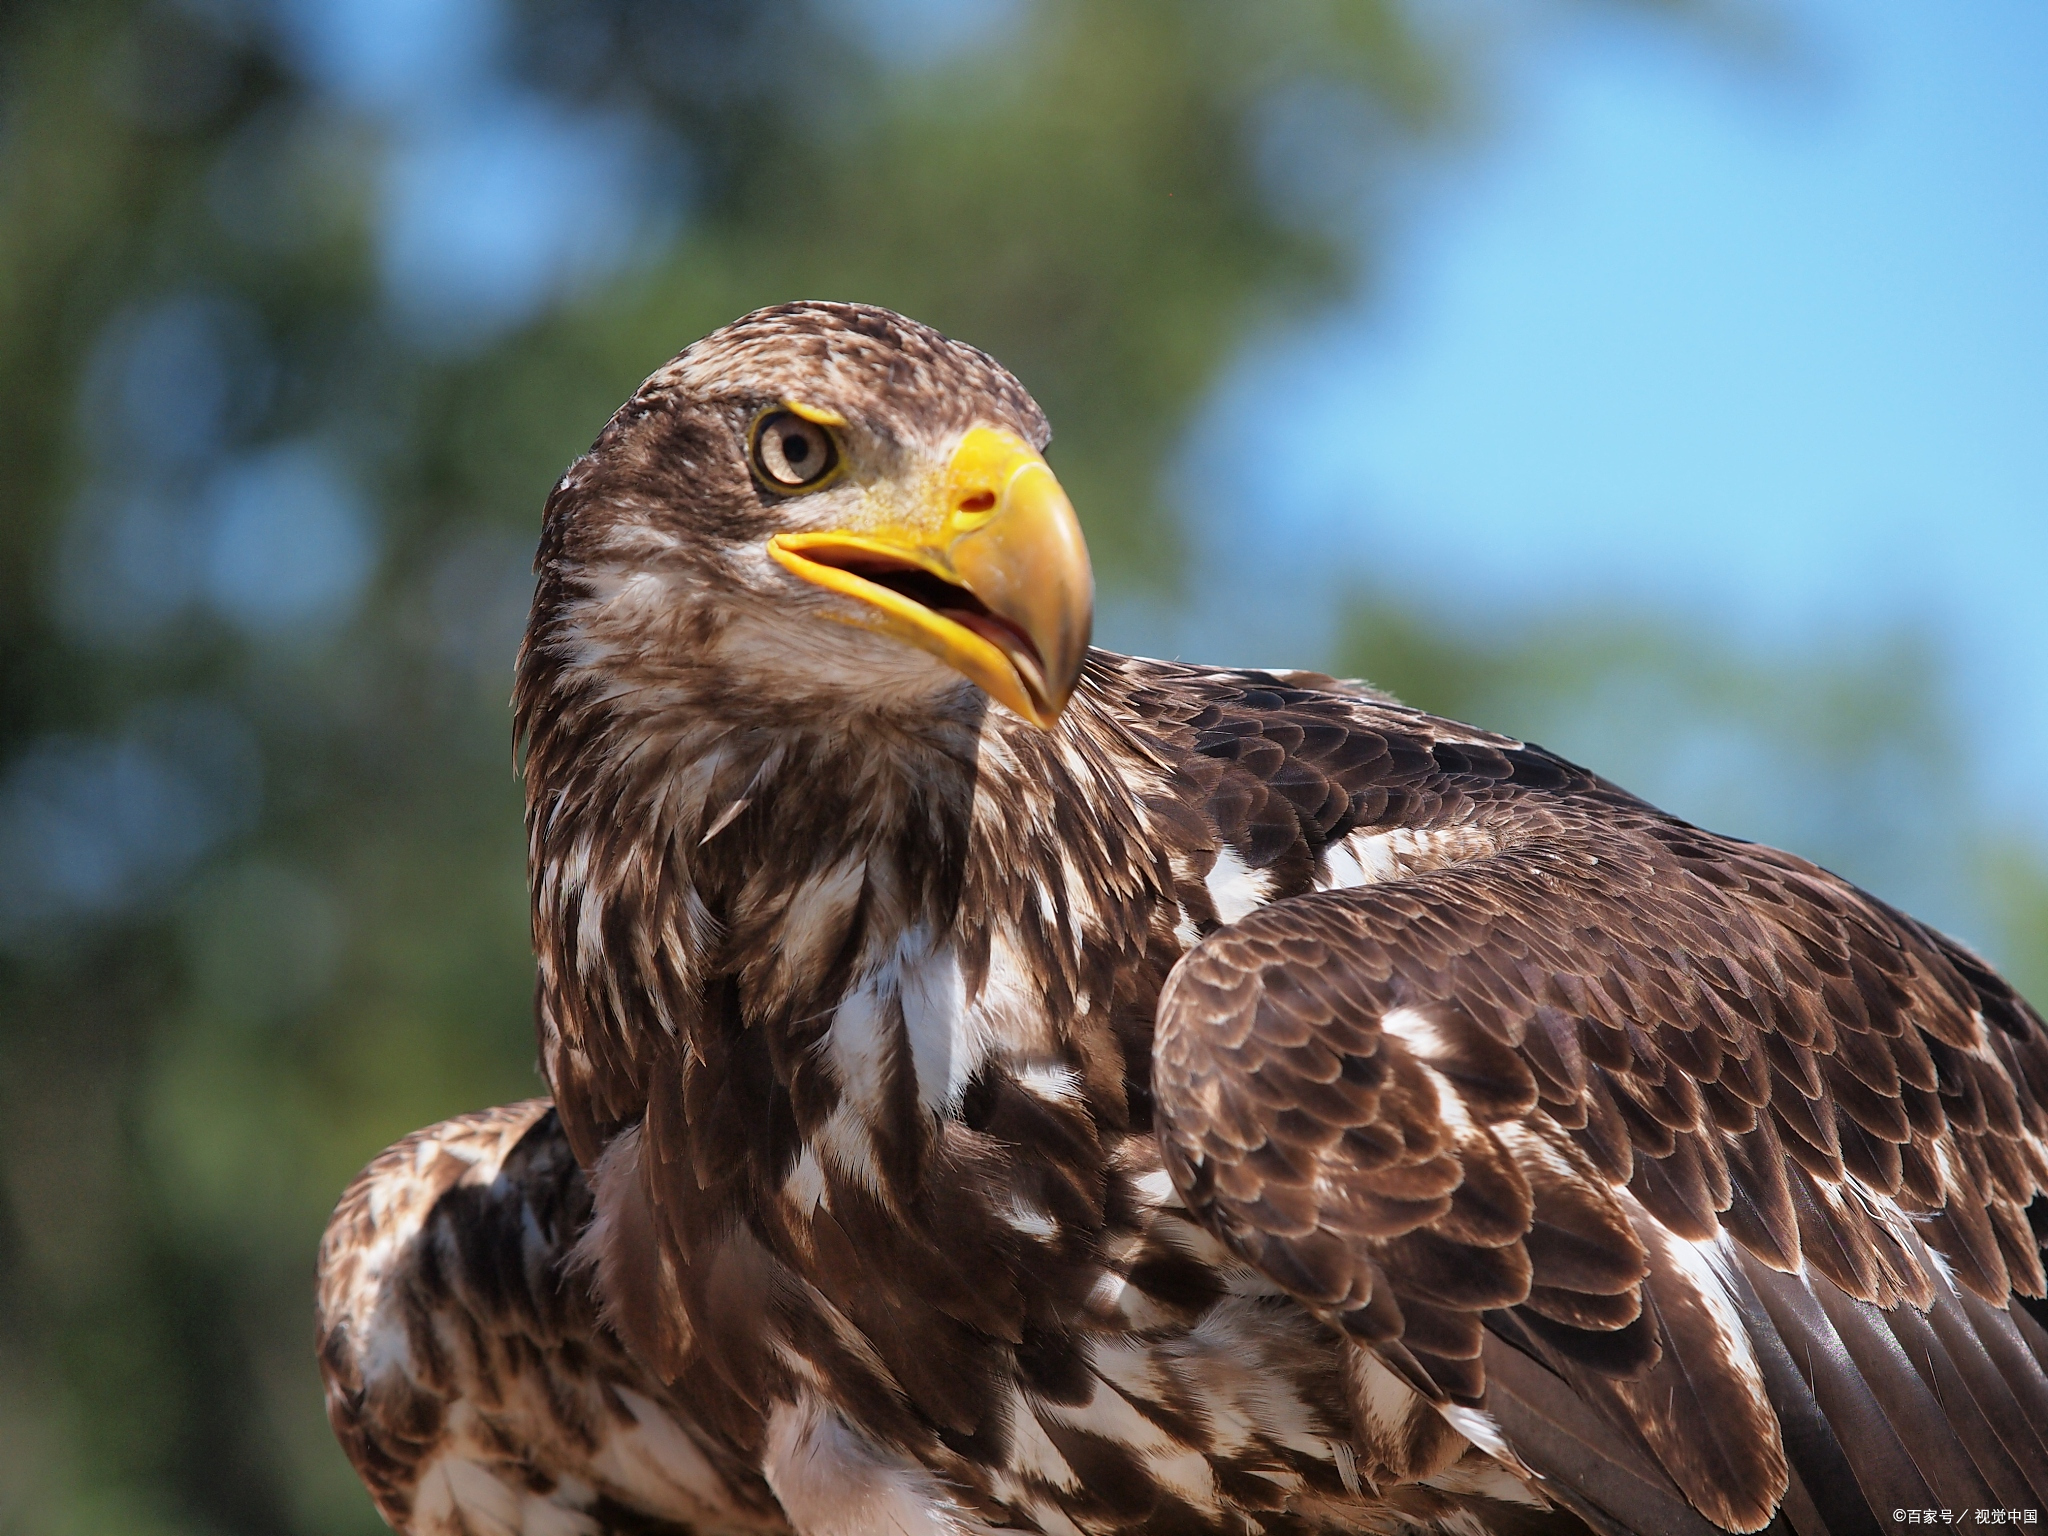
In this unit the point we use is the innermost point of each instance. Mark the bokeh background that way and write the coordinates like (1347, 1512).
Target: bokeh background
(1665, 382)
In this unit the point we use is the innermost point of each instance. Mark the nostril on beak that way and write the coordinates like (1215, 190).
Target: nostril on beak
(979, 501)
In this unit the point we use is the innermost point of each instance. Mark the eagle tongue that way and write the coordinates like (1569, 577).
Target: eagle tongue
(1007, 638)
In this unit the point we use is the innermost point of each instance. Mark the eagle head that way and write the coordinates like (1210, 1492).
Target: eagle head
(817, 508)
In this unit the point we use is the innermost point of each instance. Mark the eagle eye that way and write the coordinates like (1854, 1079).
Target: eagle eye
(792, 454)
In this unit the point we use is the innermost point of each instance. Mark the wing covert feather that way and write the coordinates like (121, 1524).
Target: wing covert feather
(469, 1376)
(1547, 1079)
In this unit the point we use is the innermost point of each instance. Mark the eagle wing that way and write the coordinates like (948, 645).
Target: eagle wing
(469, 1377)
(1699, 1175)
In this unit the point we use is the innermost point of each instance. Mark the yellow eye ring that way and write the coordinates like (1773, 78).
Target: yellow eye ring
(791, 451)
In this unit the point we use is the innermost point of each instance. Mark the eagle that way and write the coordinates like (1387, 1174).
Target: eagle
(1003, 1085)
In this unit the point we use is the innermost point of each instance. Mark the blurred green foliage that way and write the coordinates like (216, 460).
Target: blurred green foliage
(261, 888)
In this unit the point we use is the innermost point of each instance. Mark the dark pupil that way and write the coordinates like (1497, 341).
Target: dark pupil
(796, 448)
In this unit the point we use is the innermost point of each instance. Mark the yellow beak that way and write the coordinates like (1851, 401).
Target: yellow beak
(988, 572)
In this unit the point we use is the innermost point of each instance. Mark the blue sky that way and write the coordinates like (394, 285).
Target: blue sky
(1762, 344)
(1752, 338)
(1754, 335)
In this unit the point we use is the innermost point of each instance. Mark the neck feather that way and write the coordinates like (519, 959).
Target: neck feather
(833, 928)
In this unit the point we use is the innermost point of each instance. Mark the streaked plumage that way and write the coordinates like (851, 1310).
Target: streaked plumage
(1233, 1103)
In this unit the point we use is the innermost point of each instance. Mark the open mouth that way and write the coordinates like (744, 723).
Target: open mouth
(942, 598)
